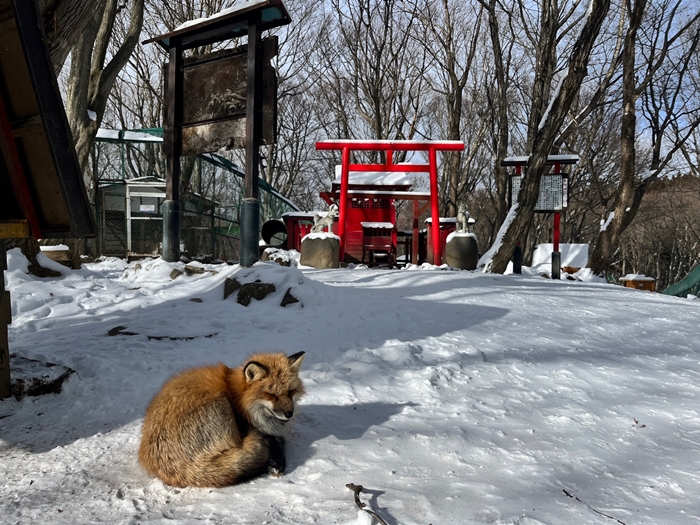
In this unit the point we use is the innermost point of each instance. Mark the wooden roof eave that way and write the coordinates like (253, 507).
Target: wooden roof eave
(48, 180)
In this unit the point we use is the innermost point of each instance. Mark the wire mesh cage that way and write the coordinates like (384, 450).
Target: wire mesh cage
(129, 187)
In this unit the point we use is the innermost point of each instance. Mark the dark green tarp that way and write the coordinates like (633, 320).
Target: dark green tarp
(689, 285)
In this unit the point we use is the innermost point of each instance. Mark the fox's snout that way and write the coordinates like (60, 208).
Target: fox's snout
(284, 415)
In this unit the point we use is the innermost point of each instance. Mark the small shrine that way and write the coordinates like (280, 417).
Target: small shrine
(366, 194)
(371, 234)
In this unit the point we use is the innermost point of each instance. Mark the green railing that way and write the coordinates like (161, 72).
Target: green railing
(211, 202)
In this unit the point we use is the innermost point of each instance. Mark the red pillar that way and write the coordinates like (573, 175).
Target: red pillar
(435, 207)
(414, 243)
(342, 208)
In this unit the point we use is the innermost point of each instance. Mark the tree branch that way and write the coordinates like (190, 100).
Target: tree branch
(356, 489)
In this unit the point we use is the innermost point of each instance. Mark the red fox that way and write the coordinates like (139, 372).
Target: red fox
(216, 426)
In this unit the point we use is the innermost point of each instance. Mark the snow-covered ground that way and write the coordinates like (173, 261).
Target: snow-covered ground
(453, 397)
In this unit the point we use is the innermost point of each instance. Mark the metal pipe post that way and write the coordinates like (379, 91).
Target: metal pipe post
(173, 146)
(250, 207)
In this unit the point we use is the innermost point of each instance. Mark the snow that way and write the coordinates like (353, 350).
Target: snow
(54, 248)
(320, 235)
(636, 277)
(486, 260)
(238, 7)
(303, 214)
(127, 136)
(604, 224)
(443, 220)
(377, 178)
(382, 225)
(574, 255)
(454, 234)
(553, 97)
(524, 159)
(453, 397)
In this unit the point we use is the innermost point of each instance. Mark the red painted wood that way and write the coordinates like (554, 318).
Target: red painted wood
(389, 146)
(342, 210)
(393, 145)
(8, 146)
(435, 208)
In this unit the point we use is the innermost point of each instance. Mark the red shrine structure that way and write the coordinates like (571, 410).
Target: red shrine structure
(367, 215)
(371, 212)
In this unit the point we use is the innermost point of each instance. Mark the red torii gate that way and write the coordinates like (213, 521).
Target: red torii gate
(389, 146)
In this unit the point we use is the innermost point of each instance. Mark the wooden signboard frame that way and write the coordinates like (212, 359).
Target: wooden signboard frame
(214, 109)
(547, 201)
(249, 19)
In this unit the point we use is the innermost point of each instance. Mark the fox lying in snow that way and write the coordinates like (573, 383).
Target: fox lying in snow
(216, 426)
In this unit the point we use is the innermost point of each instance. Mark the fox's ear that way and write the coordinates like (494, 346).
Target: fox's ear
(254, 371)
(295, 361)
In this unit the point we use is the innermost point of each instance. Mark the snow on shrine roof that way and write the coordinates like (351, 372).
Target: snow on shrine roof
(374, 178)
(384, 225)
(302, 214)
(552, 159)
(226, 24)
(398, 145)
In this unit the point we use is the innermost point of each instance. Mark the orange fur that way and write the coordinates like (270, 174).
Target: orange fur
(213, 426)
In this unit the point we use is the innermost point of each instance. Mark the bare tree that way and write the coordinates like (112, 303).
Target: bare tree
(497, 98)
(450, 33)
(93, 71)
(661, 85)
(548, 126)
(287, 165)
(370, 66)
(64, 22)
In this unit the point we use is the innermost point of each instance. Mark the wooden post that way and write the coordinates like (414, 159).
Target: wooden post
(556, 254)
(5, 319)
(416, 233)
(437, 245)
(343, 207)
(173, 149)
(250, 207)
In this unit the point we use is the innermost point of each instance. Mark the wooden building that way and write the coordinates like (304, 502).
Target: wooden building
(371, 214)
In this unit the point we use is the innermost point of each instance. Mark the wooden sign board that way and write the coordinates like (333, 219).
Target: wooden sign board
(214, 111)
(554, 192)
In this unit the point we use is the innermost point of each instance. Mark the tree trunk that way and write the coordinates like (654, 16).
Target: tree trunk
(603, 251)
(64, 22)
(499, 106)
(629, 192)
(522, 213)
(92, 77)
